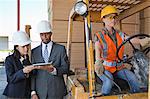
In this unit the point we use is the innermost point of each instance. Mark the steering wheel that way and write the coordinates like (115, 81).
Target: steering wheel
(138, 60)
(128, 59)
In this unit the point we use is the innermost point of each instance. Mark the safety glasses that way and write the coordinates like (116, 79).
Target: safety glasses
(110, 17)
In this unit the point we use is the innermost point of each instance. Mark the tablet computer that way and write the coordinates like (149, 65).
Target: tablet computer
(42, 64)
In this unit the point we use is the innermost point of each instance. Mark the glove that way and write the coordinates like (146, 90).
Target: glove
(99, 69)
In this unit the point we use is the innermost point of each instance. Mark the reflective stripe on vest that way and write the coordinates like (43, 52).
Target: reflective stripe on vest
(105, 47)
(122, 35)
(109, 50)
(111, 64)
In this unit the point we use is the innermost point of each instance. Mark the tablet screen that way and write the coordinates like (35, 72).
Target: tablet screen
(42, 64)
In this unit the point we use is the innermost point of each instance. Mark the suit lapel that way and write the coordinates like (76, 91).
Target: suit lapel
(52, 51)
(40, 53)
(18, 64)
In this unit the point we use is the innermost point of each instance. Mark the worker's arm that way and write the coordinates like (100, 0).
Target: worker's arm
(97, 50)
(99, 69)
(13, 74)
(64, 63)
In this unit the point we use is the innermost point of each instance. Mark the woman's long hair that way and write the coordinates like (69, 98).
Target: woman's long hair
(17, 55)
(16, 52)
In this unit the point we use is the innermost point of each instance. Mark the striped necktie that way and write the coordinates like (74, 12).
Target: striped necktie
(46, 54)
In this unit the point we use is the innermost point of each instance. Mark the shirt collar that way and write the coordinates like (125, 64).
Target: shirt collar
(106, 31)
(21, 59)
(48, 44)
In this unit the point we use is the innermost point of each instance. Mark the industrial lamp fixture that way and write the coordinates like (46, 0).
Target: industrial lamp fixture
(81, 8)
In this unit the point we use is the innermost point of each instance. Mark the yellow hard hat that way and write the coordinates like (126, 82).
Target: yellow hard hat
(108, 10)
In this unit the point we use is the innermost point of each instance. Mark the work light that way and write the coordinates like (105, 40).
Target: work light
(81, 8)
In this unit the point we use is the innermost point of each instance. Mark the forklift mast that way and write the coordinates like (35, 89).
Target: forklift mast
(89, 48)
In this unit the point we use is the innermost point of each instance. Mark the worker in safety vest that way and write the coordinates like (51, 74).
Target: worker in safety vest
(106, 43)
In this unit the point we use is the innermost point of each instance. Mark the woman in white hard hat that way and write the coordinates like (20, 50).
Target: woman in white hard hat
(18, 68)
(106, 64)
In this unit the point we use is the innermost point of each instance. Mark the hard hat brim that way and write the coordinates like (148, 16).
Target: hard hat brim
(23, 43)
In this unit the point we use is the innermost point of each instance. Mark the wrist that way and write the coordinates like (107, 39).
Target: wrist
(98, 59)
(54, 72)
(26, 75)
(99, 62)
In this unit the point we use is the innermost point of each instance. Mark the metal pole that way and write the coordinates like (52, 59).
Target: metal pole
(90, 57)
(69, 41)
(18, 15)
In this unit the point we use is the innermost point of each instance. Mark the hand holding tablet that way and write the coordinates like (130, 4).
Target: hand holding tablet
(44, 66)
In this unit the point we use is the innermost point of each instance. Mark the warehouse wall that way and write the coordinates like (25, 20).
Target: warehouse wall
(59, 14)
(145, 21)
(77, 48)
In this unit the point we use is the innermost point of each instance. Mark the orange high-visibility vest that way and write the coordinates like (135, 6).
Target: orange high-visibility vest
(109, 49)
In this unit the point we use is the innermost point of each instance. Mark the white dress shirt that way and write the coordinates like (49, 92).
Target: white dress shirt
(49, 48)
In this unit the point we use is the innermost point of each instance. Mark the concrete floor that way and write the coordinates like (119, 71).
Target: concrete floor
(2, 81)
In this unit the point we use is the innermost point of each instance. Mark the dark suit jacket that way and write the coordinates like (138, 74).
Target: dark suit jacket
(45, 83)
(18, 85)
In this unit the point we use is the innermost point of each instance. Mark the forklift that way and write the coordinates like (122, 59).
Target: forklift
(85, 84)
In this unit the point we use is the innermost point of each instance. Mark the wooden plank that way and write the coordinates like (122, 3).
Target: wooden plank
(133, 19)
(126, 96)
(60, 31)
(62, 8)
(77, 59)
(145, 21)
(111, 3)
(145, 26)
(75, 87)
(134, 9)
(50, 11)
(77, 92)
(77, 55)
(130, 28)
(146, 12)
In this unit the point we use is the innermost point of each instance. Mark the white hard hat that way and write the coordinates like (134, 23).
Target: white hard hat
(20, 38)
(44, 26)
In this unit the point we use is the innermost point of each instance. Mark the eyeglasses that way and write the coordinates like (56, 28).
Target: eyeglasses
(110, 17)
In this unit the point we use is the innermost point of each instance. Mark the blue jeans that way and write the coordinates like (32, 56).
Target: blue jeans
(124, 74)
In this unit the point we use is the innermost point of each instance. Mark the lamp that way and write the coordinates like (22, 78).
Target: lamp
(81, 8)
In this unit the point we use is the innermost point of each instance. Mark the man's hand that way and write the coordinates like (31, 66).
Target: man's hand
(48, 68)
(34, 96)
(99, 69)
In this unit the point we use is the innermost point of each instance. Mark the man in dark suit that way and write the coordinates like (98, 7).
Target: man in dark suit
(48, 81)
